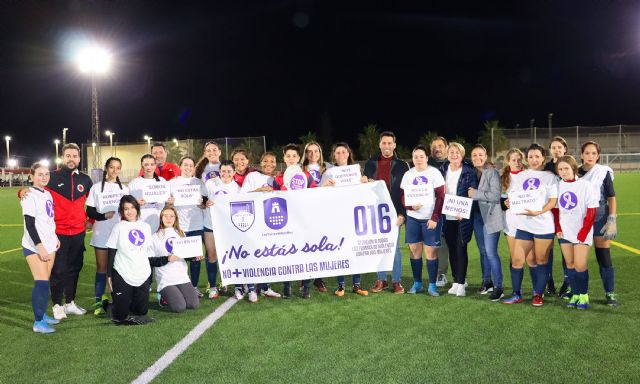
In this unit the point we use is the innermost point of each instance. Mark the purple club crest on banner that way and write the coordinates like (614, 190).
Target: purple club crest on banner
(531, 184)
(298, 182)
(420, 180)
(49, 208)
(568, 200)
(136, 237)
(168, 244)
(242, 214)
(315, 174)
(275, 213)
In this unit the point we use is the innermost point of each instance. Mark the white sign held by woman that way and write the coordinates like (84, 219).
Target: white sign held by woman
(457, 206)
(156, 193)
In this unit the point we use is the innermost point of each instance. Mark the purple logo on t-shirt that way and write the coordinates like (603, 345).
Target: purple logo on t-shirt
(420, 180)
(220, 192)
(211, 175)
(568, 200)
(168, 244)
(298, 182)
(315, 174)
(275, 213)
(49, 208)
(531, 184)
(136, 237)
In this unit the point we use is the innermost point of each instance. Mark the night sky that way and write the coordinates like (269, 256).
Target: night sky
(282, 68)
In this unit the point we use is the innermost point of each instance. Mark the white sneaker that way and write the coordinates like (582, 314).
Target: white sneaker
(461, 291)
(466, 283)
(73, 309)
(239, 294)
(454, 289)
(271, 293)
(253, 296)
(442, 280)
(58, 312)
(213, 293)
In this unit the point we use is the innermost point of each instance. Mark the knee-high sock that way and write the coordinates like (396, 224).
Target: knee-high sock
(416, 268)
(39, 298)
(212, 273)
(542, 277)
(603, 255)
(100, 285)
(516, 280)
(572, 280)
(533, 273)
(550, 266)
(432, 270)
(194, 272)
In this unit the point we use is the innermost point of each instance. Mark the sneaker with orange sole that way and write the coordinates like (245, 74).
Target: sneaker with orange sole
(359, 291)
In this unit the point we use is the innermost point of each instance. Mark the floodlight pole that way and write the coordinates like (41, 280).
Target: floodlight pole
(95, 123)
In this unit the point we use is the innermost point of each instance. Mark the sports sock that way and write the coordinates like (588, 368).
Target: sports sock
(39, 298)
(572, 280)
(101, 283)
(416, 268)
(516, 280)
(543, 273)
(212, 273)
(194, 272)
(533, 273)
(432, 270)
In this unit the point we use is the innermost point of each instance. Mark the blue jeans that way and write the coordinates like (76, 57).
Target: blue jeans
(492, 259)
(396, 273)
(478, 229)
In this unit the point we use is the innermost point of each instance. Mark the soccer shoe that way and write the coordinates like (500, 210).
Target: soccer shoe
(583, 301)
(359, 291)
(432, 290)
(454, 289)
(253, 297)
(73, 309)
(611, 299)
(497, 294)
(486, 287)
(564, 289)
(441, 281)
(573, 302)
(379, 286)
(49, 320)
(537, 301)
(319, 283)
(200, 294)
(42, 327)
(238, 294)
(551, 287)
(416, 288)
(567, 294)
(271, 293)
(514, 299)
(306, 293)
(213, 293)
(98, 309)
(462, 290)
(398, 289)
(340, 291)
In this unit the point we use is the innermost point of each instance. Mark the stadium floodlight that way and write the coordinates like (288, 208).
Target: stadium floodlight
(12, 163)
(94, 59)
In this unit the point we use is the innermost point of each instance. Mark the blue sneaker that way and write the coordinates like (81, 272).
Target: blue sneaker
(49, 320)
(515, 299)
(416, 288)
(583, 301)
(432, 290)
(42, 327)
(573, 301)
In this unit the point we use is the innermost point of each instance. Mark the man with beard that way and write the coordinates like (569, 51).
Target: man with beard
(436, 159)
(69, 188)
(164, 169)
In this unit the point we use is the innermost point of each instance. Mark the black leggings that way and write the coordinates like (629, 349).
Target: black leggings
(128, 299)
(458, 256)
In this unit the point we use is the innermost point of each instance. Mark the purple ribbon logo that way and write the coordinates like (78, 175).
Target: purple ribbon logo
(242, 214)
(568, 200)
(420, 180)
(315, 174)
(136, 237)
(49, 208)
(211, 175)
(168, 244)
(531, 184)
(275, 213)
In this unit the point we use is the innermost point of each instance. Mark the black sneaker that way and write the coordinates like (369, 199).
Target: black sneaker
(564, 289)
(611, 299)
(497, 294)
(306, 293)
(551, 288)
(486, 287)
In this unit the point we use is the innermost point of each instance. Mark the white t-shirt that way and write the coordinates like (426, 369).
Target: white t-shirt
(430, 178)
(573, 201)
(150, 212)
(211, 171)
(174, 272)
(102, 229)
(190, 216)
(216, 187)
(39, 204)
(451, 187)
(547, 183)
(256, 180)
(133, 244)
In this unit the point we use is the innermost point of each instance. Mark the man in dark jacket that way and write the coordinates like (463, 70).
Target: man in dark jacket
(390, 169)
(436, 159)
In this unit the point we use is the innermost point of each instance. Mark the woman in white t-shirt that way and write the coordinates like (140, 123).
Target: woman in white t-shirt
(39, 244)
(130, 248)
(208, 167)
(423, 228)
(172, 279)
(575, 216)
(103, 225)
(534, 228)
(342, 155)
(190, 217)
(150, 212)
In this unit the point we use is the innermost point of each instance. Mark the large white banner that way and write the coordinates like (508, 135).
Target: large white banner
(304, 234)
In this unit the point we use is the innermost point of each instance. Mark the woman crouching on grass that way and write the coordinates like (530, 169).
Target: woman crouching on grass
(39, 244)
(129, 268)
(577, 203)
(172, 278)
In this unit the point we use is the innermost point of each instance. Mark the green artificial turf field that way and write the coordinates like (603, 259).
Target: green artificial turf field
(379, 338)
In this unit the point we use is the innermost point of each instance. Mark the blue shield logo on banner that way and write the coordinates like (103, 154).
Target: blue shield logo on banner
(242, 215)
(275, 213)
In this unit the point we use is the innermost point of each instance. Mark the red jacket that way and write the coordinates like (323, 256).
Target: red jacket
(168, 172)
(69, 191)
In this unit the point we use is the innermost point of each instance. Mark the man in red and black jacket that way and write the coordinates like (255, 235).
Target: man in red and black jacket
(388, 167)
(163, 168)
(69, 188)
